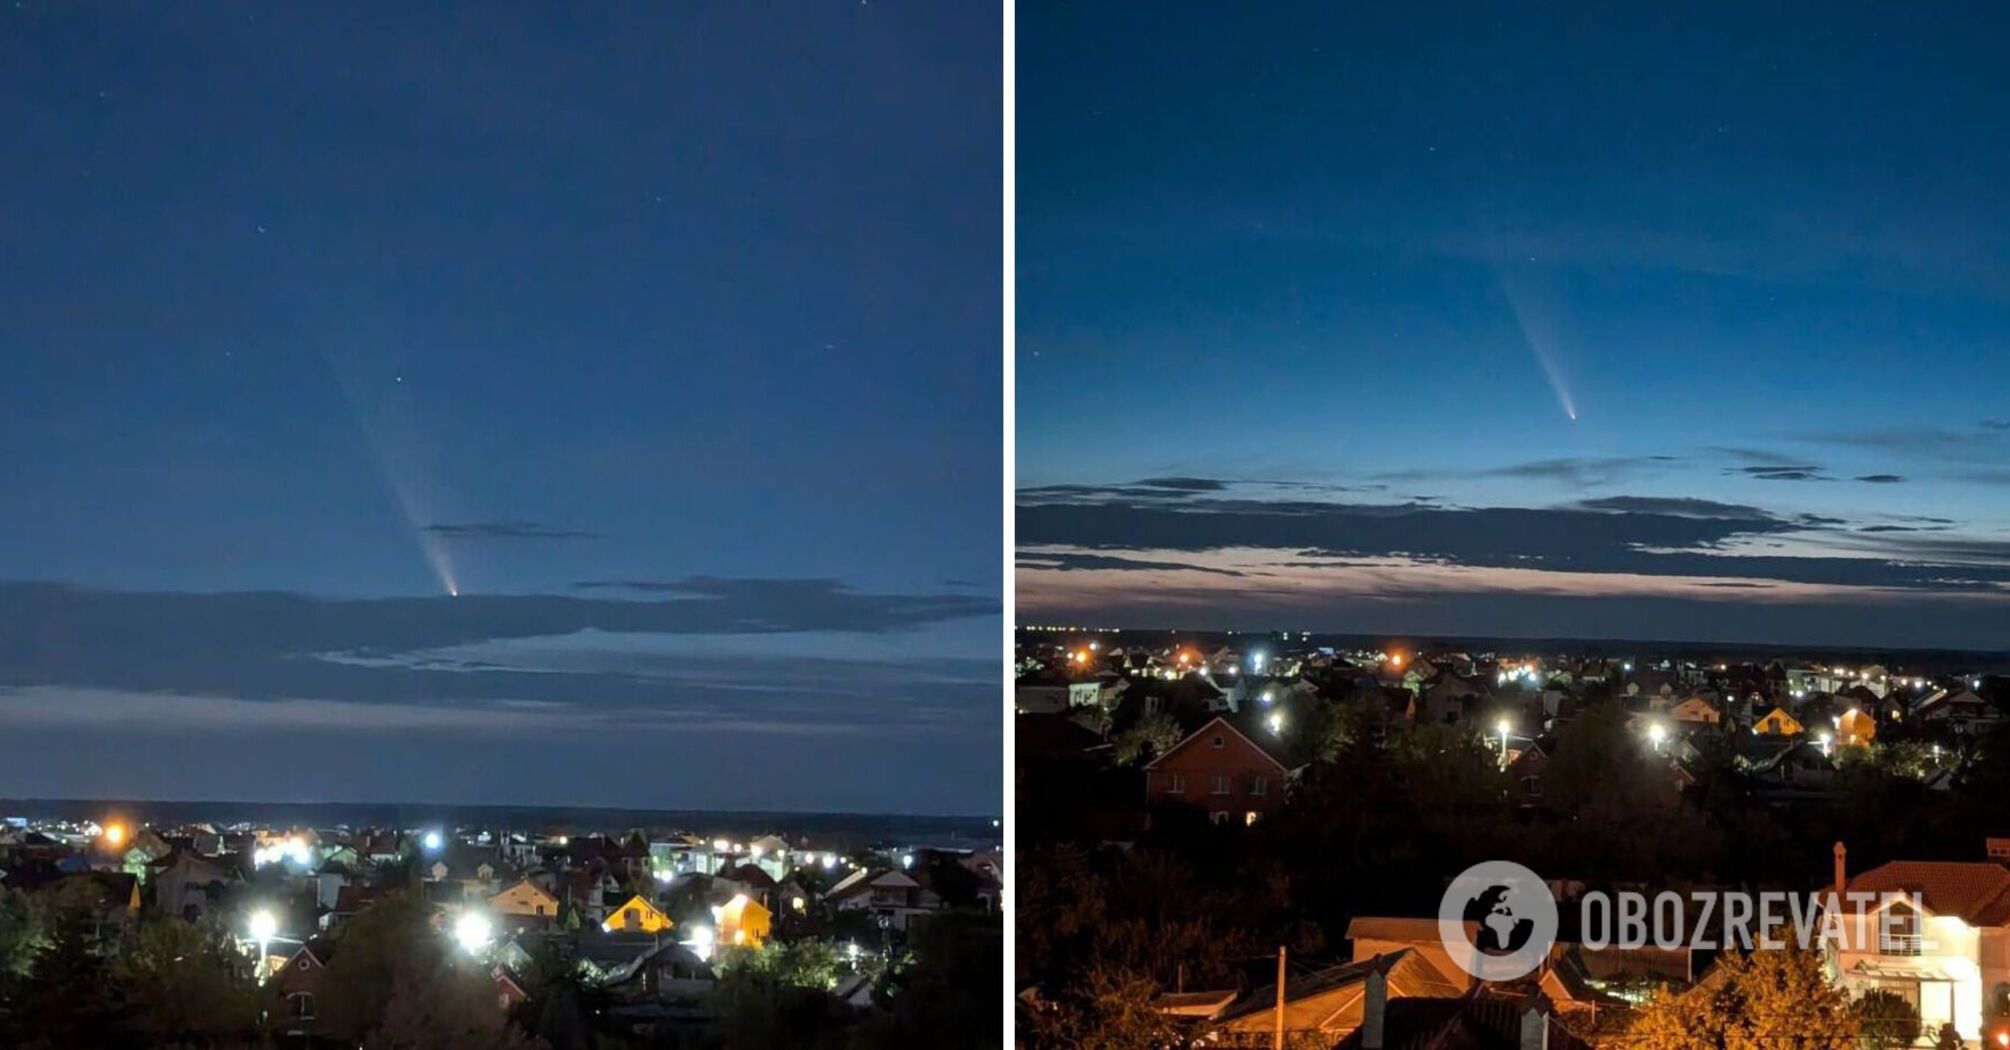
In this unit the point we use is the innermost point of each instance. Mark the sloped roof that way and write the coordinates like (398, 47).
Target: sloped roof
(1977, 892)
(1408, 975)
(1204, 730)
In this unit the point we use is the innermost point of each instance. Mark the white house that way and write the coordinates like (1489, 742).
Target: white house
(893, 896)
(1951, 959)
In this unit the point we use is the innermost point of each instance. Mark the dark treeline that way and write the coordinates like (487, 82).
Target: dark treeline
(71, 980)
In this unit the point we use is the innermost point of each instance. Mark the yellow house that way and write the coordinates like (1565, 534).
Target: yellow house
(526, 898)
(638, 916)
(1777, 723)
(1856, 728)
(743, 921)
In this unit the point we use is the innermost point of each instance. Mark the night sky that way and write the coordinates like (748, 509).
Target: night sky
(1557, 321)
(664, 336)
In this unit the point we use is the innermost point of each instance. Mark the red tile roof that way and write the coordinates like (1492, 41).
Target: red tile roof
(1976, 892)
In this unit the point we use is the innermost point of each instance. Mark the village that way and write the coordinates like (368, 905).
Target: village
(1296, 807)
(557, 936)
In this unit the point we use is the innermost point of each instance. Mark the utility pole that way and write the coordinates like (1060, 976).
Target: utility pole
(1277, 1038)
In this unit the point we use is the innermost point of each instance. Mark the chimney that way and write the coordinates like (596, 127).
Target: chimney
(1842, 868)
(1373, 1009)
(1534, 1029)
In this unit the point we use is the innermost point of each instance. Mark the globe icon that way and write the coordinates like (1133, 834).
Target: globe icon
(1497, 920)
(1501, 932)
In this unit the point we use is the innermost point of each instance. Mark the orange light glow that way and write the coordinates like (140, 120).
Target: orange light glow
(115, 834)
(1395, 659)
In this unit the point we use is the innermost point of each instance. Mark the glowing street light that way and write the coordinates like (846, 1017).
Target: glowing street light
(473, 931)
(1824, 740)
(1656, 733)
(701, 941)
(1275, 722)
(115, 834)
(1503, 725)
(263, 927)
(432, 841)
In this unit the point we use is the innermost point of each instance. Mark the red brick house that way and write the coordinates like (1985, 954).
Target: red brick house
(295, 988)
(1220, 770)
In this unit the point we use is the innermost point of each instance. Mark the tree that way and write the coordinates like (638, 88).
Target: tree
(69, 999)
(1154, 734)
(20, 937)
(558, 998)
(758, 1008)
(1886, 1019)
(381, 945)
(1108, 1008)
(799, 964)
(947, 995)
(447, 1006)
(1767, 1000)
(187, 984)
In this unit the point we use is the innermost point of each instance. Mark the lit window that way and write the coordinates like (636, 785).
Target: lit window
(1249, 818)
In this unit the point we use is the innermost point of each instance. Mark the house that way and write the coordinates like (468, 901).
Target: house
(893, 896)
(1526, 771)
(1963, 710)
(1520, 1018)
(1325, 1006)
(477, 868)
(743, 921)
(508, 988)
(295, 985)
(189, 886)
(1777, 722)
(1050, 693)
(1220, 770)
(1696, 709)
(1800, 770)
(662, 972)
(637, 916)
(1447, 698)
(1949, 958)
(525, 903)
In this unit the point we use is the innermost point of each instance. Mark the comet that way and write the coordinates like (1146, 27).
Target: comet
(387, 432)
(1538, 332)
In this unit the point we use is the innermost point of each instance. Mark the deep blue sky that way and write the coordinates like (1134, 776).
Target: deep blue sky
(1376, 257)
(360, 302)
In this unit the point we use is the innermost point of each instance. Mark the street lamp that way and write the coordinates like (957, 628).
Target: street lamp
(1503, 726)
(1656, 734)
(473, 931)
(263, 927)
